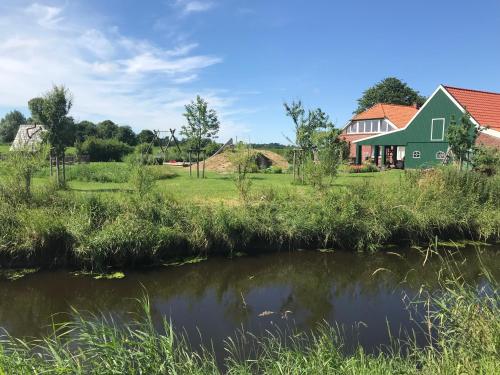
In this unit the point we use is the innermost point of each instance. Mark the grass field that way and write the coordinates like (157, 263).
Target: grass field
(214, 187)
(221, 187)
(4, 148)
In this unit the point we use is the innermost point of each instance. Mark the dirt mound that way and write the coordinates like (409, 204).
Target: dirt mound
(221, 162)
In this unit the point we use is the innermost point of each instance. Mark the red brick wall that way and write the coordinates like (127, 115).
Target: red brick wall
(488, 140)
(365, 150)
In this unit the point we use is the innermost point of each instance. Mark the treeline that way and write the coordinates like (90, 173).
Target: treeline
(79, 131)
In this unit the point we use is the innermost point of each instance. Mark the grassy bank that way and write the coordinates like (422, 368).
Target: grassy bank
(127, 229)
(463, 320)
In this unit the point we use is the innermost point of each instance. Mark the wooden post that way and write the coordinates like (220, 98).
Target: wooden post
(358, 154)
(64, 168)
(189, 157)
(376, 152)
(57, 171)
(50, 160)
(204, 158)
(294, 153)
(383, 161)
(198, 163)
(394, 155)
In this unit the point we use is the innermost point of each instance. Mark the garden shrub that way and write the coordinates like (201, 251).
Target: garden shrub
(104, 149)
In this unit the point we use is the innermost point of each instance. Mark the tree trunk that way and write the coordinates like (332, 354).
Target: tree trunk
(64, 167)
(57, 172)
(198, 164)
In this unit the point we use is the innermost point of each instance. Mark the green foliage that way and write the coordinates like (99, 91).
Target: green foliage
(20, 167)
(390, 90)
(142, 178)
(107, 129)
(321, 149)
(9, 125)
(462, 137)
(104, 149)
(202, 123)
(145, 136)
(144, 148)
(124, 229)
(100, 172)
(126, 135)
(486, 160)
(84, 130)
(52, 111)
(243, 160)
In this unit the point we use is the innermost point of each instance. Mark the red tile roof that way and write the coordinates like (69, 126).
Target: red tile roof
(399, 115)
(482, 105)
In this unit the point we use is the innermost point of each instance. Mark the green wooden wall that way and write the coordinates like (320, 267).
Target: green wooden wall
(417, 136)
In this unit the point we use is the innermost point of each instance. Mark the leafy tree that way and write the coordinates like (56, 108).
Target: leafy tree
(85, 129)
(9, 125)
(107, 129)
(52, 111)
(145, 136)
(462, 137)
(486, 160)
(390, 90)
(126, 135)
(202, 124)
(321, 147)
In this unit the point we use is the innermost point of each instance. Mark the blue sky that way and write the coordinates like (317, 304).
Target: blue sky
(138, 62)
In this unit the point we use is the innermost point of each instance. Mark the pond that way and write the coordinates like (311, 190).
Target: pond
(215, 298)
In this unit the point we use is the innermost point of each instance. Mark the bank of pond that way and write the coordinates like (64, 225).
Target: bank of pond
(429, 310)
(95, 231)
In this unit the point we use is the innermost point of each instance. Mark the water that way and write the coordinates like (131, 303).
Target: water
(216, 297)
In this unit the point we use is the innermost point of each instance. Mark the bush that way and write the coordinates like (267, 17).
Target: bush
(366, 167)
(273, 169)
(104, 149)
(99, 172)
(486, 160)
(144, 148)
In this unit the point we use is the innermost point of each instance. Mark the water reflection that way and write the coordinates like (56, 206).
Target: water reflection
(219, 296)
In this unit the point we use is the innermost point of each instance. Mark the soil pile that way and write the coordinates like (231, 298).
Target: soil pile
(221, 163)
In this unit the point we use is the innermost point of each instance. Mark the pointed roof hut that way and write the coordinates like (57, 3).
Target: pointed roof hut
(29, 136)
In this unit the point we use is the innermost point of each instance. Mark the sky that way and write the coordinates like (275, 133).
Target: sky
(139, 62)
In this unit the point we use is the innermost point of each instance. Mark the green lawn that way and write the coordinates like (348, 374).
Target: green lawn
(4, 148)
(221, 187)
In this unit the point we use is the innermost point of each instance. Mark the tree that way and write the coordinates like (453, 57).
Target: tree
(390, 90)
(462, 137)
(9, 125)
(319, 143)
(85, 129)
(107, 129)
(126, 135)
(52, 110)
(145, 136)
(202, 124)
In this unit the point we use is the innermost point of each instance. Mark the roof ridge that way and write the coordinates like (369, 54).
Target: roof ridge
(399, 105)
(464, 89)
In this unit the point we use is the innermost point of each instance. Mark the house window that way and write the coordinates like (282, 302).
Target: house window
(375, 125)
(437, 129)
(416, 155)
(383, 126)
(440, 155)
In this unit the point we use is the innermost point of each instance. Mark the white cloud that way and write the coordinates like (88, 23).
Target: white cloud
(111, 75)
(46, 16)
(194, 6)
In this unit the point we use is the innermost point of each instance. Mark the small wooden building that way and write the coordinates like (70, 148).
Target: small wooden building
(423, 139)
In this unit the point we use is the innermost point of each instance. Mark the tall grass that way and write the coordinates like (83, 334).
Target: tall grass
(465, 339)
(129, 229)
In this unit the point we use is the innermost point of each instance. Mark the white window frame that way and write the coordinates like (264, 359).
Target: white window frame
(432, 128)
(443, 155)
(416, 154)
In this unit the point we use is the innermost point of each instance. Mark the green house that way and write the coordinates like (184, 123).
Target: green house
(423, 139)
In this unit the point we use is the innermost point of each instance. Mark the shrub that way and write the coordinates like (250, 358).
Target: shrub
(104, 149)
(100, 172)
(144, 148)
(486, 160)
(273, 169)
